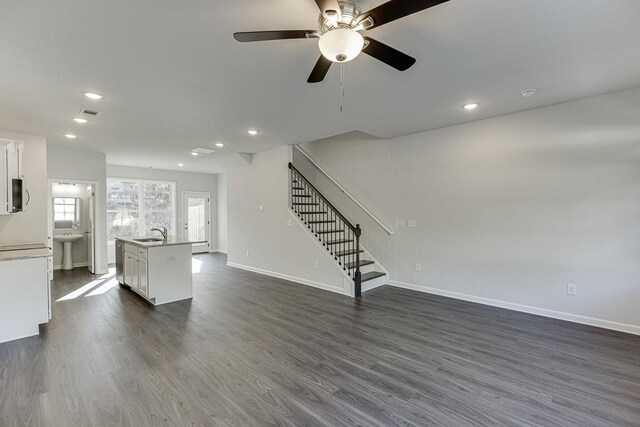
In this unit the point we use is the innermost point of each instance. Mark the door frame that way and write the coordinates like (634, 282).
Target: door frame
(207, 195)
(96, 223)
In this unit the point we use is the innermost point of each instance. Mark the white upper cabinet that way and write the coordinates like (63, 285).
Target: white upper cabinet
(11, 168)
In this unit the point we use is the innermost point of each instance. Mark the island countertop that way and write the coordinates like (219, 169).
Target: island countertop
(171, 241)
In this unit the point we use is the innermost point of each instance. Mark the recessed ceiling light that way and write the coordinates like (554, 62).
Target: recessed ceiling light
(471, 106)
(219, 144)
(80, 120)
(70, 136)
(253, 132)
(194, 154)
(528, 93)
(94, 96)
(181, 165)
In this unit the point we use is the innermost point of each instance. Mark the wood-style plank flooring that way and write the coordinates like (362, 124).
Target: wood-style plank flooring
(257, 351)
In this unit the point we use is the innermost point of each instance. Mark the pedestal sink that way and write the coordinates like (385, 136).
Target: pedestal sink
(67, 242)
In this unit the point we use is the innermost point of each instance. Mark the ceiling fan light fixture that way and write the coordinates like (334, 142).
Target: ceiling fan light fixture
(341, 45)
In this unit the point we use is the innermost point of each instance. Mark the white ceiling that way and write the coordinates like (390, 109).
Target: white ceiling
(174, 78)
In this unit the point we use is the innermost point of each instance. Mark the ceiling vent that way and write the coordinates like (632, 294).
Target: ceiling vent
(203, 150)
(89, 112)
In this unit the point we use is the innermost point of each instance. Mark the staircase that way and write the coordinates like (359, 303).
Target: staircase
(333, 231)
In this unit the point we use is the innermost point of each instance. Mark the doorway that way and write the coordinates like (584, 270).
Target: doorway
(72, 224)
(196, 219)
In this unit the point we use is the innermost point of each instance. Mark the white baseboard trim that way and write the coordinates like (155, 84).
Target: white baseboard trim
(575, 318)
(219, 251)
(75, 265)
(307, 282)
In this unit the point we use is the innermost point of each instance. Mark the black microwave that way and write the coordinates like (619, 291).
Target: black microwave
(17, 203)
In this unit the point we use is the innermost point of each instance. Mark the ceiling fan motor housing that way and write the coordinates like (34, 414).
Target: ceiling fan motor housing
(347, 18)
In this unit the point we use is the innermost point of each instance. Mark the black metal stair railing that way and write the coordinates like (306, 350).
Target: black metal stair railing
(329, 226)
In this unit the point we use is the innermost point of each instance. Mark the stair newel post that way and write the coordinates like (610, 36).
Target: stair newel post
(358, 275)
(290, 186)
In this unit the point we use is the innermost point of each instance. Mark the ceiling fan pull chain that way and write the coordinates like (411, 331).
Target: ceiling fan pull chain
(342, 84)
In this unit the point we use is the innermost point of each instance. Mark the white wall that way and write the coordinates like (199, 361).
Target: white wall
(222, 213)
(510, 210)
(274, 247)
(80, 251)
(77, 165)
(29, 226)
(185, 181)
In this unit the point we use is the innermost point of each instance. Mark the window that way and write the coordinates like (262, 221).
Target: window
(136, 206)
(64, 209)
(66, 213)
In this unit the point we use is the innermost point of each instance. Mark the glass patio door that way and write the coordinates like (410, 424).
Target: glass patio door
(196, 219)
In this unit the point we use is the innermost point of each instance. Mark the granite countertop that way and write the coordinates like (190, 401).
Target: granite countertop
(171, 241)
(25, 254)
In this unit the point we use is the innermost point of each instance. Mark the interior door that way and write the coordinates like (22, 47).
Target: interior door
(91, 229)
(196, 219)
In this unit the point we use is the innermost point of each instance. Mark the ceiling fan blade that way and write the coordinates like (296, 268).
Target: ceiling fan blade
(259, 36)
(320, 70)
(390, 56)
(325, 5)
(396, 9)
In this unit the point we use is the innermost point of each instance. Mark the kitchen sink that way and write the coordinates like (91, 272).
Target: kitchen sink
(149, 239)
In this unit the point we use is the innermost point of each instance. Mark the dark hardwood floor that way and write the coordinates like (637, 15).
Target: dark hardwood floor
(253, 350)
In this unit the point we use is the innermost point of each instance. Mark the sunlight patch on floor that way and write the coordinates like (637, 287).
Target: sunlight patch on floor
(96, 287)
(196, 266)
(103, 288)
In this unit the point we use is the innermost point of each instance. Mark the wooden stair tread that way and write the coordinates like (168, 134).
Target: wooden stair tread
(338, 242)
(363, 263)
(319, 222)
(312, 213)
(329, 231)
(371, 275)
(305, 204)
(348, 252)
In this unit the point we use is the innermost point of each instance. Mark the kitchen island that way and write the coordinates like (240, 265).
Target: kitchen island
(158, 270)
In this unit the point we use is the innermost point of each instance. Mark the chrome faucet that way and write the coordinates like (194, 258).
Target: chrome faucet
(162, 231)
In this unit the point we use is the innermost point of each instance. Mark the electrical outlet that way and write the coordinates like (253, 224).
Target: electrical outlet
(572, 289)
(247, 252)
(289, 223)
(261, 208)
(399, 223)
(418, 267)
(411, 223)
(316, 265)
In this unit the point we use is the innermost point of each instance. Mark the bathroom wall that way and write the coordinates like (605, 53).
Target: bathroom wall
(80, 248)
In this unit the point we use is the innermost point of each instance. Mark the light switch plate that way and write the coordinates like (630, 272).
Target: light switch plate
(411, 223)
(399, 223)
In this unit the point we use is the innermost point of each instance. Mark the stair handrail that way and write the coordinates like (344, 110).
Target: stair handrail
(337, 212)
(344, 190)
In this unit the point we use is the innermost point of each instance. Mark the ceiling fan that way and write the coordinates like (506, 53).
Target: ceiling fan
(342, 24)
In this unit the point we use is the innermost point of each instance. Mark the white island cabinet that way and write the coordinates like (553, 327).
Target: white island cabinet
(25, 301)
(158, 271)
